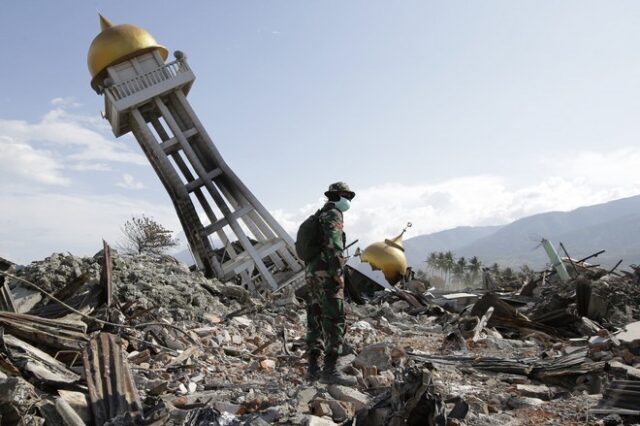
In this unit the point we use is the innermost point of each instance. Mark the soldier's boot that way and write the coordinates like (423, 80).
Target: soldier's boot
(313, 370)
(331, 375)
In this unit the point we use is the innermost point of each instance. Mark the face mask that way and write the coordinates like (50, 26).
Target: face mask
(343, 204)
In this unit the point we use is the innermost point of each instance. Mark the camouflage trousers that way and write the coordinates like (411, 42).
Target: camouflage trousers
(325, 315)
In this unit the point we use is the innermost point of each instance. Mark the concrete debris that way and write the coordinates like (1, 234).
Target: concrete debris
(535, 391)
(353, 396)
(630, 333)
(516, 402)
(16, 397)
(122, 340)
(381, 356)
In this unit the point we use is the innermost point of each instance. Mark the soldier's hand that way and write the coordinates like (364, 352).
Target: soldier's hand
(339, 282)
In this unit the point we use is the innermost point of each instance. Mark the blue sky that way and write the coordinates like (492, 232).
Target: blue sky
(440, 113)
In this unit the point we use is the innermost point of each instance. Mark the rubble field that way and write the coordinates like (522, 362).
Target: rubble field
(132, 340)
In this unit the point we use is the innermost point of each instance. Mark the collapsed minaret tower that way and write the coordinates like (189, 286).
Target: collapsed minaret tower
(230, 233)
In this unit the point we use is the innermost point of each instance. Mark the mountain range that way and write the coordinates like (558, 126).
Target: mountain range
(613, 226)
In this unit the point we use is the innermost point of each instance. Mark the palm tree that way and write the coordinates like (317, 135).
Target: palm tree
(432, 261)
(475, 266)
(507, 274)
(458, 268)
(468, 281)
(448, 261)
(440, 264)
(526, 270)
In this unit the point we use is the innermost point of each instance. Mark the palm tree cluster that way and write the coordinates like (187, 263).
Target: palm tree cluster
(443, 269)
(460, 272)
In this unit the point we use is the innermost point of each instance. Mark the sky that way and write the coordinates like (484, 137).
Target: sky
(443, 114)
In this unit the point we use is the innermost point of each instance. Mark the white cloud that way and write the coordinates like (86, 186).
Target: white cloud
(90, 167)
(584, 179)
(75, 138)
(40, 211)
(611, 168)
(68, 101)
(32, 230)
(21, 163)
(129, 182)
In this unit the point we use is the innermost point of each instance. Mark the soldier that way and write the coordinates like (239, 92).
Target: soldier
(325, 304)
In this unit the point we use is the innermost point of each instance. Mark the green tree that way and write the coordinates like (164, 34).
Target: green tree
(143, 234)
(507, 273)
(432, 261)
(440, 264)
(448, 263)
(458, 269)
(474, 267)
(467, 279)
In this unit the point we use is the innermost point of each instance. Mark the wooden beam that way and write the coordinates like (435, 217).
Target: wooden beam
(105, 273)
(6, 299)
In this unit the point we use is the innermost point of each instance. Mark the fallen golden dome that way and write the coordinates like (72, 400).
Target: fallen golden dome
(117, 43)
(388, 257)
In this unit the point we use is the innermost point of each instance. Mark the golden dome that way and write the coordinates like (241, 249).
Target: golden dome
(117, 43)
(388, 257)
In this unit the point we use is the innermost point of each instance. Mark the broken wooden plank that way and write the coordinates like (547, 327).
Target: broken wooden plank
(85, 302)
(624, 369)
(68, 414)
(50, 333)
(482, 324)
(36, 362)
(79, 402)
(6, 299)
(106, 273)
(614, 410)
(621, 397)
(186, 354)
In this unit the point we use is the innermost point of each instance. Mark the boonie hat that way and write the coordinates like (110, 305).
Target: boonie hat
(340, 187)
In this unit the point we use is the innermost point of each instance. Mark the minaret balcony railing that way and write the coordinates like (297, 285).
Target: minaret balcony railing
(141, 82)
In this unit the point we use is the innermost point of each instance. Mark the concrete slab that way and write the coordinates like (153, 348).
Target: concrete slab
(318, 421)
(631, 332)
(344, 393)
(535, 391)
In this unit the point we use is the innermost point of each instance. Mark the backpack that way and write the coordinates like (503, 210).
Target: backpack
(308, 238)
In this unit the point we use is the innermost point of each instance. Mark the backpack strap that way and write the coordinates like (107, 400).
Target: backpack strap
(329, 206)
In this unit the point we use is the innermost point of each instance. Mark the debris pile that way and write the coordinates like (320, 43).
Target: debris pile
(125, 340)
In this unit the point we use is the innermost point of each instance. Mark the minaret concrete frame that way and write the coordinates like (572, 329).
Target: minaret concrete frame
(147, 96)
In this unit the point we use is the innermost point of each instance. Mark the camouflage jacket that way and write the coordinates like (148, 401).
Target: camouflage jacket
(332, 242)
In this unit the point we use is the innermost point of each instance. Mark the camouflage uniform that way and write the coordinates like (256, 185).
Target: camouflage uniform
(325, 305)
